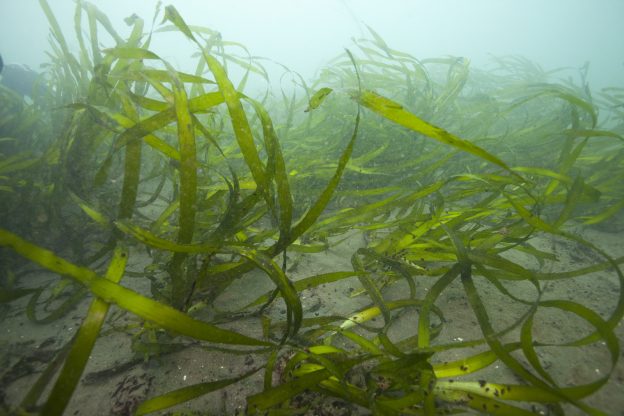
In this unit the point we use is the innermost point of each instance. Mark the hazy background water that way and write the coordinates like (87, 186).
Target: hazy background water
(305, 34)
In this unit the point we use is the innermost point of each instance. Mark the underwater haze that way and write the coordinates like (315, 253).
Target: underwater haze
(304, 35)
(311, 208)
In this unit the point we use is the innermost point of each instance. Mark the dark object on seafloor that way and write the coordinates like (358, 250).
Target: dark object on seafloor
(19, 78)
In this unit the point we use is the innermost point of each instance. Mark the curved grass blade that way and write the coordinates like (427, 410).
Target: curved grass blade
(395, 112)
(276, 395)
(318, 98)
(428, 303)
(286, 288)
(84, 342)
(67, 305)
(606, 214)
(371, 288)
(92, 213)
(307, 283)
(126, 52)
(319, 206)
(276, 159)
(132, 168)
(240, 123)
(180, 281)
(186, 394)
(153, 311)
(480, 403)
(511, 362)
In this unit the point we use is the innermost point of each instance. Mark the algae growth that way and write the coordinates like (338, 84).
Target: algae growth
(175, 215)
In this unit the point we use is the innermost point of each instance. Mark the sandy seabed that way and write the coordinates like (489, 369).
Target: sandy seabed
(116, 378)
